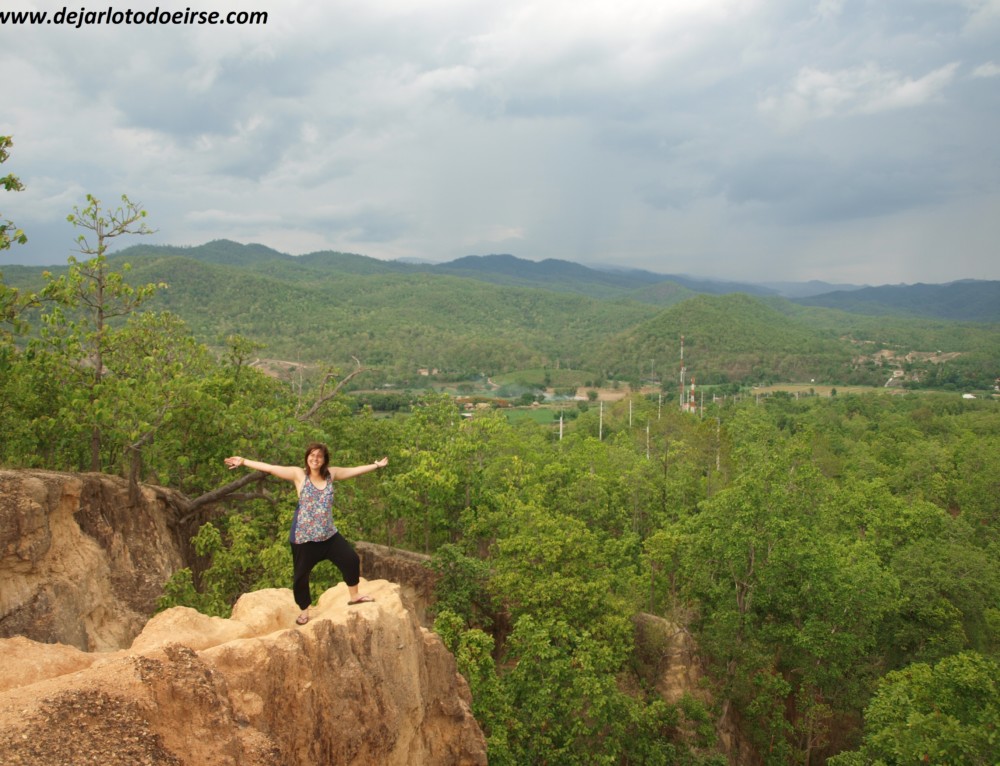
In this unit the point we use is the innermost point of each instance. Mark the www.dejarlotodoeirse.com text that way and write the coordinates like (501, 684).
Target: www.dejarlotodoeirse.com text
(84, 17)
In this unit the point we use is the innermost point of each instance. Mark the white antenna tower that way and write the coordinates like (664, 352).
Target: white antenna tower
(682, 374)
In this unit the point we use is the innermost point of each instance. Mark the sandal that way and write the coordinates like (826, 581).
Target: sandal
(361, 600)
(303, 618)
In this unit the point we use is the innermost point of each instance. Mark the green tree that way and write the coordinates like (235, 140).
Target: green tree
(96, 294)
(491, 702)
(977, 484)
(943, 713)
(546, 565)
(155, 370)
(424, 487)
(949, 588)
(789, 611)
(32, 396)
(12, 302)
(9, 234)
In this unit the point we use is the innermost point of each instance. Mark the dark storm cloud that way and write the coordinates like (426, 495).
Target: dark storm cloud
(811, 189)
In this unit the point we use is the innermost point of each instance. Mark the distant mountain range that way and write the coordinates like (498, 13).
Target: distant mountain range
(964, 300)
(499, 313)
(555, 272)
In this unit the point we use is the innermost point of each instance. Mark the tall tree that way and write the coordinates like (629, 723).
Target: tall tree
(11, 300)
(100, 293)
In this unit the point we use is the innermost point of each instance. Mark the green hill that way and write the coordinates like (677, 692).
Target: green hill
(259, 259)
(727, 338)
(219, 251)
(397, 321)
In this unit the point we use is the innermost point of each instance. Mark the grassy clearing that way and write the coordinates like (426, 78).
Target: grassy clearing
(542, 415)
(820, 390)
(537, 377)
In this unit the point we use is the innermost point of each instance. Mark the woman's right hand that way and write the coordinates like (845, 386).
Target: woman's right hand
(234, 462)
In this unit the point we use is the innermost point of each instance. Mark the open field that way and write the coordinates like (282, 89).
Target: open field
(543, 415)
(821, 390)
(811, 388)
(543, 376)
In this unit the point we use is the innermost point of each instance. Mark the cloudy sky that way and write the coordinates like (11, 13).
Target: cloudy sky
(843, 140)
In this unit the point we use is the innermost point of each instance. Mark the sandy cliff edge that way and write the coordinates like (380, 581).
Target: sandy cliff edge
(357, 685)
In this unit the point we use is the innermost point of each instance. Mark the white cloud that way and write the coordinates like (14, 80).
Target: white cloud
(815, 94)
(496, 233)
(989, 69)
(446, 79)
(231, 218)
(984, 15)
(828, 10)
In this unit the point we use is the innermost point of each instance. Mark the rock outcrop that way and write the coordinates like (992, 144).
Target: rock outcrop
(409, 569)
(358, 684)
(668, 661)
(79, 563)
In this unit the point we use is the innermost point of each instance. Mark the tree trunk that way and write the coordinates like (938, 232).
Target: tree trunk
(95, 449)
(218, 494)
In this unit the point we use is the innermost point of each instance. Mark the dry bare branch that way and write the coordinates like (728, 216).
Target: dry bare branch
(325, 396)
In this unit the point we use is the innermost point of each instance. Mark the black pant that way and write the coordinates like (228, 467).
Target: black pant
(305, 556)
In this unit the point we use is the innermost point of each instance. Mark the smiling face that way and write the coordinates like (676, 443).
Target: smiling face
(317, 459)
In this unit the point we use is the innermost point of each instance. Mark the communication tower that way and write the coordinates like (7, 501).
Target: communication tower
(681, 397)
(687, 398)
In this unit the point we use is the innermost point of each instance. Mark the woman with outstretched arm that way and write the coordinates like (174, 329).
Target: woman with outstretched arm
(314, 536)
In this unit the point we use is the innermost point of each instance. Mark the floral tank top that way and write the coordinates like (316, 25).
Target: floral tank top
(313, 520)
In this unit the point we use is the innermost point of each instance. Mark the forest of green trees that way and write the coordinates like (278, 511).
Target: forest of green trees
(835, 559)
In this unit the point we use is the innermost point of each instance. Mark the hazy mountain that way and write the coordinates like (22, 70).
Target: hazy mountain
(551, 274)
(222, 251)
(808, 289)
(966, 300)
(696, 284)
(411, 261)
(662, 294)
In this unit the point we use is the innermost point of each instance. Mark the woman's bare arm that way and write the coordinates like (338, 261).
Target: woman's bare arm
(339, 474)
(290, 473)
